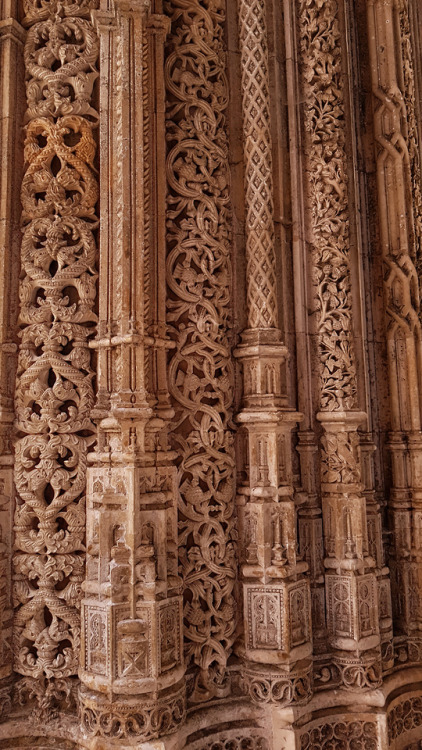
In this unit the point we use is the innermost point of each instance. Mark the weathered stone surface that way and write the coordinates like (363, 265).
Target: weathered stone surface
(210, 374)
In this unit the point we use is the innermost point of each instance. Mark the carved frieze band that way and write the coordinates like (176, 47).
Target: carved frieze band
(236, 738)
(54, 392)
(198, 312)
(344, 734)
(404, 716)
(124, 720)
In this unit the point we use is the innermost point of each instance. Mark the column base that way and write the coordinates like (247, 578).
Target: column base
(363, 672)
(283, 687)
(140, 717)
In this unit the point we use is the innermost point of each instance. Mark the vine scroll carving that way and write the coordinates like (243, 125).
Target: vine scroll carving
(54, 392)
(198, 313)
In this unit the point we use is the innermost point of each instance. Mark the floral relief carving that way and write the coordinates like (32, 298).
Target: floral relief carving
(60, 60)
(339, 454)
(59, 179)
(324, 118)
(50, 696)
(36, 11)
(54, 391)
(200, 369)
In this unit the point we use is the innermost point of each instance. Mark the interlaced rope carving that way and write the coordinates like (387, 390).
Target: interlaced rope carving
(325, 125)
(261, 287)
(200, 371)
(54, 392)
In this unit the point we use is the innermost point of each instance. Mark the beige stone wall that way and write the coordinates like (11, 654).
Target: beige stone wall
(210, 374)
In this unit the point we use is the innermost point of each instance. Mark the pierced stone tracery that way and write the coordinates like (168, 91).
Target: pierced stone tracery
(54, 392)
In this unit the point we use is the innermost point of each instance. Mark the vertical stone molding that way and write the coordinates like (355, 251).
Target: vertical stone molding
(198, 313)
(54, 392)
(398, 182)
(132, 669)
(11, 85)
(351, 586)
(276, 647)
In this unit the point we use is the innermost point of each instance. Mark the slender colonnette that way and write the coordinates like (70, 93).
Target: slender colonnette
(277, 633)
(351, 585)
(131, 667)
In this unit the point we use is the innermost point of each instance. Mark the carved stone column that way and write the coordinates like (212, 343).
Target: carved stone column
(131, 669)
(198, 313)
(310, 511)
(351, 585)
(277, 639)
(12, 97)
(398, 181)
(54, 392)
